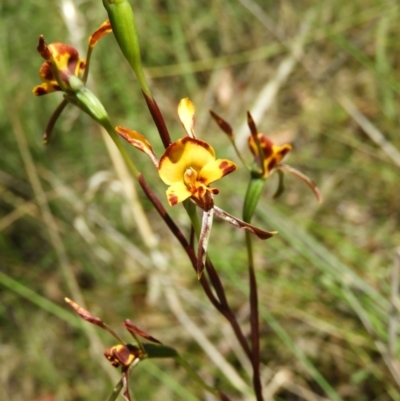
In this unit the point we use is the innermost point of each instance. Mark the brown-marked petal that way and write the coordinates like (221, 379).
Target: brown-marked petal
(44, 89)
(182, 154)
(134, 329)
(177, 193)
(102, 30)
(216, 170)
(122, 355)
(272, 154)
(186, 111)
(138, 141)
(66, 59)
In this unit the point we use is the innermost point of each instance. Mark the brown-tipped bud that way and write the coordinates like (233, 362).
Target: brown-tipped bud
(122, 355)
(135, 330)
(84, 314)
(222, 124)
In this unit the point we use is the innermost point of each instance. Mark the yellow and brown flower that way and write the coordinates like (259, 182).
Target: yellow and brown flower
(271, 154)
(62, 62)
(189, 166)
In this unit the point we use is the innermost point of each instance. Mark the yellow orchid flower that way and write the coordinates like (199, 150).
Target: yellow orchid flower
(62, 62)
(189, 166)
(271, 154)
(267, 155)
(63, 70)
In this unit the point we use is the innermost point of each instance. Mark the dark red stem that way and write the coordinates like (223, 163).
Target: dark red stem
(158, 120)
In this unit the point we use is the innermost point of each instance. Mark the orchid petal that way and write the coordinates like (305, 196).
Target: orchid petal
(182, 154)
(215, 170)
(177, 193)
(44, 89)
(186, 111)
(66, 59)
(138, 141)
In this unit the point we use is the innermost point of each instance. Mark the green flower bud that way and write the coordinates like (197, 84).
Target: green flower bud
(123, 25)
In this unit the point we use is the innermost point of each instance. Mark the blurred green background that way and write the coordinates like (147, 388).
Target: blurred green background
(323, 76)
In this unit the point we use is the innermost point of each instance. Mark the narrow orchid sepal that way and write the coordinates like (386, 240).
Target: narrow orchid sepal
(85, 314)
(104, 29)
(262, 234)
(132, 328)
(303, 177)
(222, 124)
(138, 141)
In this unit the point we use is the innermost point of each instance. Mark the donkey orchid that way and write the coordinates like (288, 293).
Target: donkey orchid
(64, 70)
(267, 155)
(189, 167)
(271, 154)
(62, 62)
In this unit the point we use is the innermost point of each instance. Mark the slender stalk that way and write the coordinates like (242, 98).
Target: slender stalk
(254, 321)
